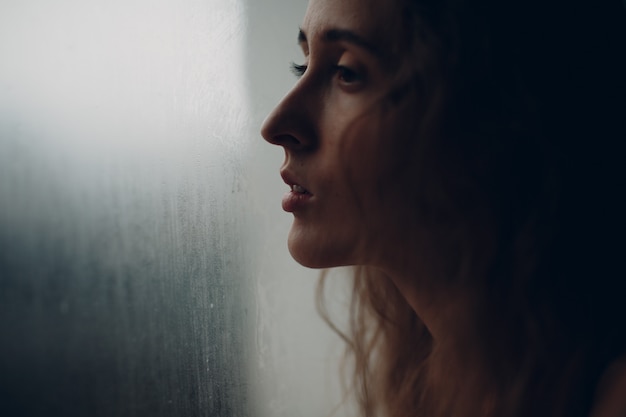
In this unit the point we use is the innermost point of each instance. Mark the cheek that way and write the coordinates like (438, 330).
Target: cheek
(377, 159)
(385, 178)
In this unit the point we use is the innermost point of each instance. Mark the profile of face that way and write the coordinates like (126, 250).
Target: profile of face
(344, 140)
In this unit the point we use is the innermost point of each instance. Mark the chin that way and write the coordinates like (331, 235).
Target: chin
(308, 261)
(312, 253)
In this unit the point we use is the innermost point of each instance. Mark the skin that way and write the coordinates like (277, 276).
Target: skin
(341, 143)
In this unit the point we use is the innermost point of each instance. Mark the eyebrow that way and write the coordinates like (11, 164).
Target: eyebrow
(343, 35)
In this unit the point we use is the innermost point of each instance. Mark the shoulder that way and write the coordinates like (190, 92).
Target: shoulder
(611, 393)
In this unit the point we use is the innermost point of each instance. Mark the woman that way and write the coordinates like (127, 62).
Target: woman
(462, 156)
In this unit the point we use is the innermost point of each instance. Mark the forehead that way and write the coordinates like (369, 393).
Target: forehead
(366, 17)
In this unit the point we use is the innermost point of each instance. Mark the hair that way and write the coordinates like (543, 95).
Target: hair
(522, 109)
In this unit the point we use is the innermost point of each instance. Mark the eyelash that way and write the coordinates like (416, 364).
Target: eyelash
(298, 70)
(346, 74)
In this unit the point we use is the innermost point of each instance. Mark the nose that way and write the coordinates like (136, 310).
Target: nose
(292, 123)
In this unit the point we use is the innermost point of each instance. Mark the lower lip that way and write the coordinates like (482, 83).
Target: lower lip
(293, 201)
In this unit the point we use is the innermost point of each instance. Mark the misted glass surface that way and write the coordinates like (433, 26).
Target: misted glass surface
(143, 264)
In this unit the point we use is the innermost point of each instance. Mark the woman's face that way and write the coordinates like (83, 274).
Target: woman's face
(344, 139)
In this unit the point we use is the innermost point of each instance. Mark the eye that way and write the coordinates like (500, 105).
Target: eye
(298, 70)
(347, 75)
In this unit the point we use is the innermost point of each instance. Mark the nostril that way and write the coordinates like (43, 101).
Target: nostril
(286, 140)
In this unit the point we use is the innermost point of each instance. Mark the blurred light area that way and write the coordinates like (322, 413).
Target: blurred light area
(124, 275)
(114, 102)
(132, 74)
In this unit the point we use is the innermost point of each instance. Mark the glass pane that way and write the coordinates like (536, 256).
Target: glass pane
(122, 139)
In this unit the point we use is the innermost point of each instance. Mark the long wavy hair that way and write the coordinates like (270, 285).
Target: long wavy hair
(522, 108)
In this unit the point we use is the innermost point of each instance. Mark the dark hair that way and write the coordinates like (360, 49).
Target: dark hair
(522, 114)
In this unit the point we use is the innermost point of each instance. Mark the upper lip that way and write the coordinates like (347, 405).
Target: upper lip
(290, 179)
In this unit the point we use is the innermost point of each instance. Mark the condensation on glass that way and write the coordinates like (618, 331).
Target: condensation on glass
(143, 266)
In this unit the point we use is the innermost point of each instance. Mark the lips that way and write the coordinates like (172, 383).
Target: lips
(293, 182)
(298, 197)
